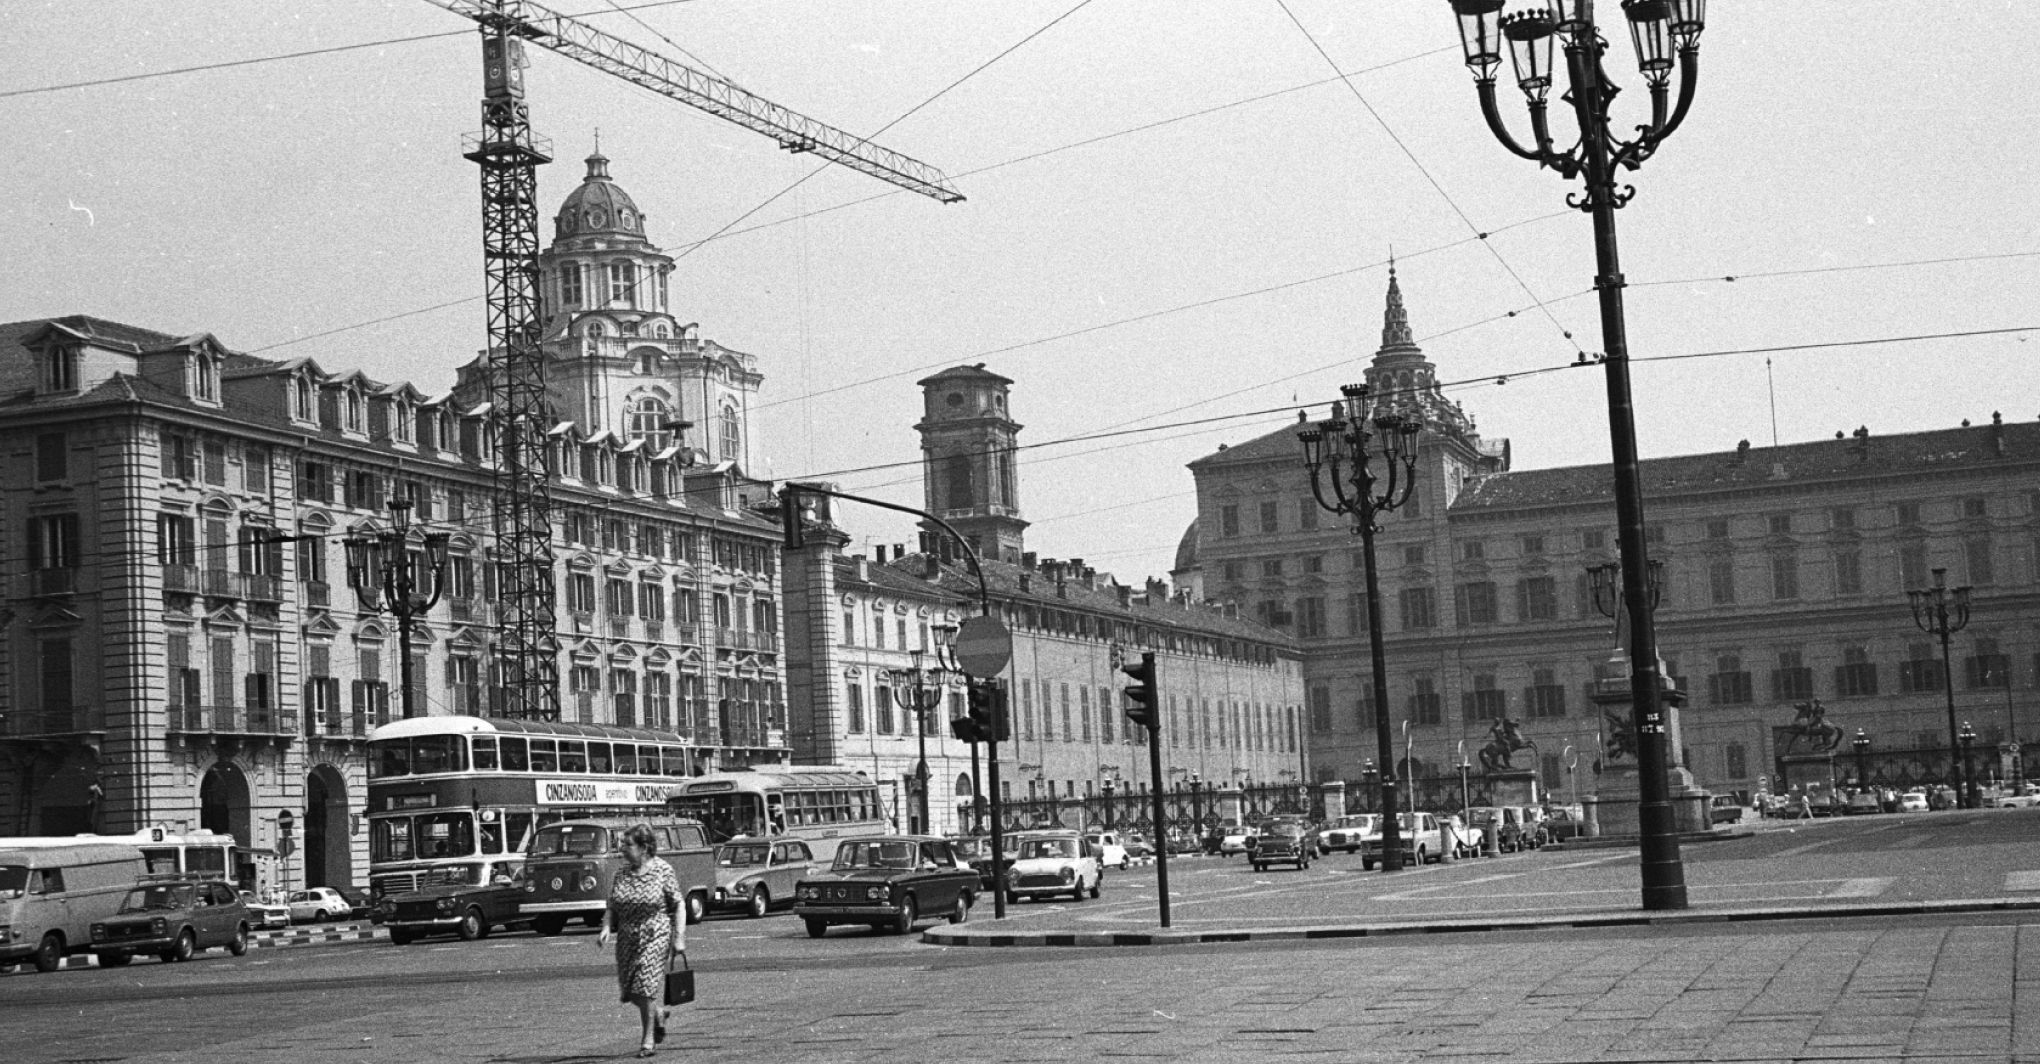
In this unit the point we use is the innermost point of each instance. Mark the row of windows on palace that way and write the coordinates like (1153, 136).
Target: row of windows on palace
(1070, 623)
(1536, 598)
(210, 682)
(1912, 514)
(1247, 726)
(1789, 679)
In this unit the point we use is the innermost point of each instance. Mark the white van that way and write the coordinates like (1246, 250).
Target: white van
(50, 895)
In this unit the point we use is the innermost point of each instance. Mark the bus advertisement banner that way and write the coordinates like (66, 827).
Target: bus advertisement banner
(604, 792)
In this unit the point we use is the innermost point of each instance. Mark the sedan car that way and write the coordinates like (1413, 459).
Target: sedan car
(1863, 802)
(316, 906)
(1111, 852)
(265, 914)
(1912, 802)
(1282, 842)
(887, 882)
(1049, 863)
(173, 918)
(1346, 832)
(1239, 838)
(752, 876)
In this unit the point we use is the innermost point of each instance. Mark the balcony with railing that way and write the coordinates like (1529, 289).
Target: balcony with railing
(318, 594)
(468, 699)
(264, 721)
(335, 724)
(181, 578)
(744, 639)
(48, 721)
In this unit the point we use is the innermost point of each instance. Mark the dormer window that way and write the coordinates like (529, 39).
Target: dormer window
(356, 412)
(303, 400)
(604, 467)
(400, 421)
(57, 370)
(205, 378)
(729, 433)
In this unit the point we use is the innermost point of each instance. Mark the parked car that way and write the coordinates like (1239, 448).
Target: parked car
(1346, 832)
(173, 917)
(316, 906)
(1138, 846)
(1912, 802)
(1725, 809)
(449, 901)
(50, 896)
(360, 905)
(1421, 838)
(1505, 823)
(1111, 852)
(753, 875)
(2015, 801)
(1562, 823)
(887, 882)
(1282, 842)
(1861, 802)
(1215, 834)
(1048, 863)
(265, 914)
(1238, 838)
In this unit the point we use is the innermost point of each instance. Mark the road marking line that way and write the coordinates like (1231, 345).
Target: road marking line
(2022, 880)
(1862, 888)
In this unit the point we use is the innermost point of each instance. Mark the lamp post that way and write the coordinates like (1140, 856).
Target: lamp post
(1861, 743)
(1370, 778)
(1657, 28)
(1965, 738)
(1465, 789)
(917, 690)
(386, 576)
(1196, 809)
(1336, 453)
(945, 656)
(1942, 611)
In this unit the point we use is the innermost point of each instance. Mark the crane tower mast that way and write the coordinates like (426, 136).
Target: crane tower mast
(521, 412)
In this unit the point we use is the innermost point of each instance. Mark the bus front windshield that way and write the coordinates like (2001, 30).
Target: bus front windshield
(421, 837)
(724, 815)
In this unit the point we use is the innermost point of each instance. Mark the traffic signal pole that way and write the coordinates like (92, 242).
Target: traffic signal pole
(1144, 707)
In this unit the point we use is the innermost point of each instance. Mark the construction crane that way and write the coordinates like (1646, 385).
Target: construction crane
(520, 415)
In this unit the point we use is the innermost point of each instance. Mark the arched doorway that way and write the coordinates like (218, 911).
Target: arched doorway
(329, 855)
(224, 807)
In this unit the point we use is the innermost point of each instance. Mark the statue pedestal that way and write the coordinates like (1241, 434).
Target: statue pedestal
(1334, 792)
(1512, 787)
(1811, 774)
(1612, 811)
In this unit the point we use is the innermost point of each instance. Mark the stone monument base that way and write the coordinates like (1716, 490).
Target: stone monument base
(1512, 787)
(1612, 812)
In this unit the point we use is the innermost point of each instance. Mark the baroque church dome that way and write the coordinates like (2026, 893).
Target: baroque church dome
(599, 207)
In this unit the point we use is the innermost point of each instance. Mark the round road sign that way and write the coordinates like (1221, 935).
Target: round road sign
(983, 647)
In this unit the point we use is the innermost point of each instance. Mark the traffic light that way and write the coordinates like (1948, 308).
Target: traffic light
(966, 729)
(988, 712)
(789, 518)
(1140, 697)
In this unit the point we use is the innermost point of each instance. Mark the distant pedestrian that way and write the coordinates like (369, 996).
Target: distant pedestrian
(1805, 806)
(647, 917)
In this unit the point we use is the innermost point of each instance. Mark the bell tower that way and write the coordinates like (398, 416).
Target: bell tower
(969, 467)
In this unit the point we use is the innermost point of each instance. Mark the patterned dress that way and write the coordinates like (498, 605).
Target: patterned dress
(644, 901)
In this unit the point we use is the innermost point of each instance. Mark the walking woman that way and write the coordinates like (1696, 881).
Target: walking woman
(646, 916)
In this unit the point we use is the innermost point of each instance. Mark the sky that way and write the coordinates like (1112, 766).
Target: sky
(1179, 218)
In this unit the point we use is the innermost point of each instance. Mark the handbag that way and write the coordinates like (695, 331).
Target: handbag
(679, 982)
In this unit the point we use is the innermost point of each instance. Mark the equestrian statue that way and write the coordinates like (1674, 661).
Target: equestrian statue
(1812, 728)
(1504, 739)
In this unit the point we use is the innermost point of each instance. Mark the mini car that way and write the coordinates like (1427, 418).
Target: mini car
(887, 882)
(1724, 809)
(1111, 852)
(1046, 864)
(1912, 802)
(316, 906)
(1137, 846)
(265, 914)
(1238, 838)
(173, 918)
(754, 875)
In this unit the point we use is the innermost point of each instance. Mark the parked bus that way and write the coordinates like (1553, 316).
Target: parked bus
(464, 795)
(819, 804)
(203, 853)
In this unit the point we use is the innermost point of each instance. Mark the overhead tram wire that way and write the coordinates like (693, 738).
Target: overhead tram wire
(1422, 169)
(309, 54)
(908, 113)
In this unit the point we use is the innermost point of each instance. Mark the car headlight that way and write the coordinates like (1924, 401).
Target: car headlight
(98, 932)
(588, 883)
(875, 893)
(1069, 875)
(808, 893)
(158, 925)
(444, 905)
(386, 907)
(741, 889)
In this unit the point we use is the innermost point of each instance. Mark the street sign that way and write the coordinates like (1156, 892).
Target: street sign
(983, 647)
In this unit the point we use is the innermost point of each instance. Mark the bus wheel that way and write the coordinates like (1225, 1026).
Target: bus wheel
(697, 908)
(761, 903)
(548, 925)
(49, 953)
(816, 927)
(472, 926)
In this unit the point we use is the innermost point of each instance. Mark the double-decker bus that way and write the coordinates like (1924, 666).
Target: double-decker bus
(462, 796)
(819, 804)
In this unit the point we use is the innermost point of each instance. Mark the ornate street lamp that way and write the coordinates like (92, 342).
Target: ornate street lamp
(917, 690)
(1196, 807)
(1336, 454)
(1657, 28)
(387, 576)
(1942, 611)
(1861, 743)
(1965, 738)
